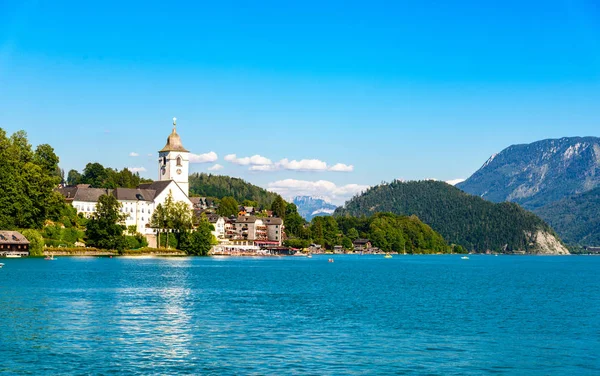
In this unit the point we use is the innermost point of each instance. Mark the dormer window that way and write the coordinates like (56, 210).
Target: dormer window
(179, 161)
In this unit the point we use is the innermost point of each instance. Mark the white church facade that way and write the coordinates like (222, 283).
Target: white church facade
(139, 203)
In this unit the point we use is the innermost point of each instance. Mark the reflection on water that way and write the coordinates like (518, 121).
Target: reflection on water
(361, 315)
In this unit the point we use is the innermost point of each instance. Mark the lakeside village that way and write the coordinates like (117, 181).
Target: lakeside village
(250, 233)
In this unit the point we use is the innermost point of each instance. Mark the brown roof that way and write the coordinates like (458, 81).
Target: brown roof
(273, 221)
(361, 241)
(246, 219)
(12, 237)
(158, 186)
(134, 194)
(83, 194)
(213, 218)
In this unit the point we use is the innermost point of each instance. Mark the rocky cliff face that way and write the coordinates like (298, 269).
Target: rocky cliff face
(544, 243)
(536, 174)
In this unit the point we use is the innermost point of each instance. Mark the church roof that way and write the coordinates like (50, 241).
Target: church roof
(134, 194)
(144, 192)
(83, 193)
(174, 143)
(157, 186)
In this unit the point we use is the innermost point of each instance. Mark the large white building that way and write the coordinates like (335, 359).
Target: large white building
(139, 203)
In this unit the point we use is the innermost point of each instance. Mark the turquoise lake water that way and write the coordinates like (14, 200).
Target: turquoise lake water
(436, 315)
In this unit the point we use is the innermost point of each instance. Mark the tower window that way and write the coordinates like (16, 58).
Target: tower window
(179, 161)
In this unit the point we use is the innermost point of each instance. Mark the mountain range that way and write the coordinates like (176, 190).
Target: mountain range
(539, 173)
(556, 178)
(310, 207)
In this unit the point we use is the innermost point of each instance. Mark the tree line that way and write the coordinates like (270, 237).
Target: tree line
(98, 176)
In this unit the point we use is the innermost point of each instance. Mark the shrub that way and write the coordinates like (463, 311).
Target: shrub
(36, 242)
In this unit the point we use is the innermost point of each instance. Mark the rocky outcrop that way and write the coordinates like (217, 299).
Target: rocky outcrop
(544, 243)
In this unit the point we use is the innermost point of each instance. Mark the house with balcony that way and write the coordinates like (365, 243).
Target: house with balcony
(13, 244)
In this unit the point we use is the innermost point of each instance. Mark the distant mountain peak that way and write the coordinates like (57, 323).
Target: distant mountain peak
(310, 207)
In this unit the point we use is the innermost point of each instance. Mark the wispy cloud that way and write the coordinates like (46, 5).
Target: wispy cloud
(216, 167)
(137, 169)
(204, 158)
(290, 188)
(134, 154)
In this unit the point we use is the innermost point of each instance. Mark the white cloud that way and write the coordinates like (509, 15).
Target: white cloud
(290, 188)
(245, 161)
(263, 168)
(216, 167)
(150, 155)
(340, 167)
(454, 181)
(303, 165)
(260, 163)
(203, 158)
(134, 154)
(137, 169)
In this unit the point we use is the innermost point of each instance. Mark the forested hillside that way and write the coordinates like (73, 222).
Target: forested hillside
(575, 218)
(460, 218)
(219, 186)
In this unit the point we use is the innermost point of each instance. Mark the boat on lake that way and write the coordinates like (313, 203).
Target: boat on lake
(387, 255)
(50, 258)
(464, 258)
(1, 265)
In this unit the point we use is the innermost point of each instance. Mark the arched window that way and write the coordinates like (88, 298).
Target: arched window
(179, 161)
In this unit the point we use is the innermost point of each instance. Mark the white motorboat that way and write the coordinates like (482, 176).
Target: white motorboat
(1, 265)
(464, 258)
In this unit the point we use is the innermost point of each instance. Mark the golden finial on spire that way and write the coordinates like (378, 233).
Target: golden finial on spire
(174, 123)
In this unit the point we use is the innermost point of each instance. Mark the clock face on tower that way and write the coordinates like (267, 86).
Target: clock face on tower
(178, 171)
(163, 170)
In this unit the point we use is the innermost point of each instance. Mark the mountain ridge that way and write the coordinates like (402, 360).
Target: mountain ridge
(538, 173)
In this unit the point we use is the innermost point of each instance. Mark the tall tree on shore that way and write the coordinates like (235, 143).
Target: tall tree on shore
(201, 240)
(27, 181)
(172, 216)
(104, 229)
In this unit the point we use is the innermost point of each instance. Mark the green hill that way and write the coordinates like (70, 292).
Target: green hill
(463, 219)
(576, 218)
(219, 186)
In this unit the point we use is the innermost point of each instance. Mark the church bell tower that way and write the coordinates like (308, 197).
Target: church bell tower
(174, 161)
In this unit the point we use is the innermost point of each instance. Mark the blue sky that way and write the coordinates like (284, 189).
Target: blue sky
(408, 90)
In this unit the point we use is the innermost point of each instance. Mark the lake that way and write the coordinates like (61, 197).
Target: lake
(437, 315)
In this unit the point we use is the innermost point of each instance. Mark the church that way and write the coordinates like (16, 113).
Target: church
(139, 203)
